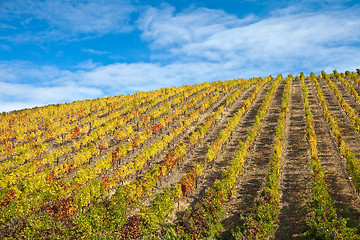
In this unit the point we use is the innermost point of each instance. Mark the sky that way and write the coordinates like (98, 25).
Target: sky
(62, 51)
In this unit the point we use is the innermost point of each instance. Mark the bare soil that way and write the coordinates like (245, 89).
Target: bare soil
(186, 163)
(250, 183)
(197, 154)
(295, 173)
(337, 177)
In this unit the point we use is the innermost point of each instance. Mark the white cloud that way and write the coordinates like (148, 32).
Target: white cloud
(283, 42)
(290, 36)
(17, 96)
(192, 46)
(164, 28)
(122, 77)
(57, 20)
(4, 26)
(27, 72)
(56, 85)
(93, 51)
(88, 64)
(24, 84)
(5, 47)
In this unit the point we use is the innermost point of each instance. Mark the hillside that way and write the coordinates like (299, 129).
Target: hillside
(261, 158)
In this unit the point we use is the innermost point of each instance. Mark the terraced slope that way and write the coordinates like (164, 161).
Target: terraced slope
(272, 158)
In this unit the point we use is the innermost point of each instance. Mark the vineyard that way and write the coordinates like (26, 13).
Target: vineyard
(262, 158)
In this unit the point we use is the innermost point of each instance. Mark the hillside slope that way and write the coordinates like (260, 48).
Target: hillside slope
(261, 158)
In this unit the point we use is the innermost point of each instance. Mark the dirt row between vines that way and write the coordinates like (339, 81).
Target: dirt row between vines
(348, 97)
(158, 158)
(166, 130)
(198, 151)
(113, 144)
(350, 136)
(337, 176)
(355, 86)
(252, 179)
(130, 156)
(294, 183)
(110, 138)
(222, 160)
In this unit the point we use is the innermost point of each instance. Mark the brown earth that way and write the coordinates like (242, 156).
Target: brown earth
(337, 177)
(295, 172)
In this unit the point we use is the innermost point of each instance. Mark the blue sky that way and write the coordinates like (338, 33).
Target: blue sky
(62, 51)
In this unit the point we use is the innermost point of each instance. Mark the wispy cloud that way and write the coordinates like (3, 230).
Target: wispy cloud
(93, 51)
(4, 26)
(5, 47)
(190, 46)
(122, 77)
(92, 81)
(59, 20)
(18, 96)
(163, 28)
(282, 42)
(26, 72)
(24, 84)
(88, 64)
